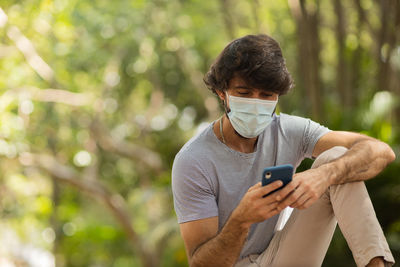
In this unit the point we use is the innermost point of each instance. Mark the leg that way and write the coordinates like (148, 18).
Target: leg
(308, 233)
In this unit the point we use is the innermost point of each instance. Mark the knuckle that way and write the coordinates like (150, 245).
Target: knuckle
(251, 195)
(308, 204)
(281, 193)
(262, 214)
(276, 186)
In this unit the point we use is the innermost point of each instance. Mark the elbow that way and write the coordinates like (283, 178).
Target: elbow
(390, 154)
(195, 263)
(192, 259)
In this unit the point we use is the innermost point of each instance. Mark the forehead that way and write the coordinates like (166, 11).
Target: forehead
(239, 83)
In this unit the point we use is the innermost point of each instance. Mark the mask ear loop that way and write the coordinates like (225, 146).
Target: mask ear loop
(224, 102)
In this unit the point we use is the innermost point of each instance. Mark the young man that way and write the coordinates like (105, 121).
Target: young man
(225, 220)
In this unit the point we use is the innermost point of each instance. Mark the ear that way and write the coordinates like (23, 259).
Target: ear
(221, 94)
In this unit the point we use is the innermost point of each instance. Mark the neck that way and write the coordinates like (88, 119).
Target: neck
(232, 138)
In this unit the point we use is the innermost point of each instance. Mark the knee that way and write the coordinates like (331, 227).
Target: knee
(329, 155)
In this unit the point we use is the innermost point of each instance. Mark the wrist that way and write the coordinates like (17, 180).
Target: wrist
(239, 221)
(330, 173)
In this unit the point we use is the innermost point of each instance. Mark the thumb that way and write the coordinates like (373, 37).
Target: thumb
(257, 185)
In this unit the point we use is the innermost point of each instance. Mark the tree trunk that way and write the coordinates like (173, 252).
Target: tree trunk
(356, 58)
(309, 50)
(227, 17)
(389, 34)
(341, 67)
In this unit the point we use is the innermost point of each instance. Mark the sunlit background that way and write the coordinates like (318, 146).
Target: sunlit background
(98, 96)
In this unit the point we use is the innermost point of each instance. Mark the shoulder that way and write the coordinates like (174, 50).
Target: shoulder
(295, 123)
(298, 128)
(290, 125)
(190, 175)
(292, 121)
(194, 153)
(196, 145)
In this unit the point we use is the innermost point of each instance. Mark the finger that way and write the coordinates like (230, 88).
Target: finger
(284, 192)
(269, 188)
(270, 201)
(300, 201)
(276, 195)
(267, 205)
(257, 185)
(290, 199)
(300, 194)
(308, 203)
(272, 209)
(274, 212)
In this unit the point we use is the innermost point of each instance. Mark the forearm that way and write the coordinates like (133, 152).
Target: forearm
(223, 249)
(364, 160)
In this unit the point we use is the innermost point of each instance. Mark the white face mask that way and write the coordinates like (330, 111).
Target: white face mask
(250, 116)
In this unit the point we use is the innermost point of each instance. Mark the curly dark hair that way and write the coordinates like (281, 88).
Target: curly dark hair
(257, 59)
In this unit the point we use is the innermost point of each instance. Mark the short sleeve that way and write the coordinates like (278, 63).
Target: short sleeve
(312, 133)
(302, 133)
(194, 197)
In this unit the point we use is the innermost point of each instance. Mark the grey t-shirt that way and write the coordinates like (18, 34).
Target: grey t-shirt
(209, 178)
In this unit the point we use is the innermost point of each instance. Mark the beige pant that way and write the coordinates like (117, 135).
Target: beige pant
(304, 240)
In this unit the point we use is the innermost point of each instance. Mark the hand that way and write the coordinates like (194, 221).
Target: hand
(254, 207)
(305, 188)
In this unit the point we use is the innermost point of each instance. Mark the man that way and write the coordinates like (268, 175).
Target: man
(224, 218)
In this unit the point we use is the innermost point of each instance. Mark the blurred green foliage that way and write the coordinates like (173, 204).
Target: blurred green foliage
(98, 96)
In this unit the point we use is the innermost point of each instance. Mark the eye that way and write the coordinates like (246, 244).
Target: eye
(267, 95)
(243, 93)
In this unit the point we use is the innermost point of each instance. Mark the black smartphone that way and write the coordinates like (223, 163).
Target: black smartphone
(272, 174)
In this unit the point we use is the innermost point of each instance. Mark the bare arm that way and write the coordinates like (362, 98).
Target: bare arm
(221, 249)
(365, 158)
(206, 247)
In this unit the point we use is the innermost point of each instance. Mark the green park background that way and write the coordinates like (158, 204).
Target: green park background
(97, 97)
